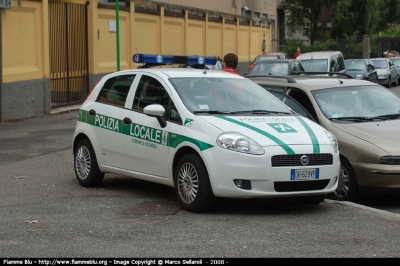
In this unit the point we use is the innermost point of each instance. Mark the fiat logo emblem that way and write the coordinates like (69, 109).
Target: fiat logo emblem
(304, 160)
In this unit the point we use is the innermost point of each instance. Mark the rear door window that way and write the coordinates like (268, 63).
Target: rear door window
(115, 90)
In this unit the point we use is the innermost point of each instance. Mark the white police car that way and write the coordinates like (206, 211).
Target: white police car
(208, 133)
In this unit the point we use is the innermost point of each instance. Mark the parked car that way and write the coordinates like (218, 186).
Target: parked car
(396, 62)
(327, 61)
(361, 69)
(206, 133)
(268, 56)
(387, 73)
(364, 117)
(277, 67)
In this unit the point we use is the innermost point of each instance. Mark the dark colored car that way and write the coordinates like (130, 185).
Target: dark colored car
(277, 67)
(361, 69)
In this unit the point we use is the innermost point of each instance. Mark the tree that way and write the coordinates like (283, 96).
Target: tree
(346, 17)
(362, 16)
(304, 16)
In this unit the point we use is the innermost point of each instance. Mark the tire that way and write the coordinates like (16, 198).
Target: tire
(389, 82)
(347, 189)
(313, 199)
(396, 83)
(192, 184)
(85, 165)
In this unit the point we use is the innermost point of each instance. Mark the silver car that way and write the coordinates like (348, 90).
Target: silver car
(387, 74)
(396, 62)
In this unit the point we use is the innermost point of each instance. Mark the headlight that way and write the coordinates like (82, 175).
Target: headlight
(392, 160)
(240, 143)
(359, 76)
(333, 140)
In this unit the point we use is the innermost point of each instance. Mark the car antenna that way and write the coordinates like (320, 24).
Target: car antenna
(341, 82)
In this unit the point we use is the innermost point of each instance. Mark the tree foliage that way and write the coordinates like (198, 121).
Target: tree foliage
(345, 17)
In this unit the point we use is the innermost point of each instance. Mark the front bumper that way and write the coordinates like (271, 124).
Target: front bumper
(377, 175)
(225, 166)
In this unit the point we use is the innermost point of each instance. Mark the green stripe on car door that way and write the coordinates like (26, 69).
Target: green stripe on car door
(314, 140)
(117, 125)
(271, 137)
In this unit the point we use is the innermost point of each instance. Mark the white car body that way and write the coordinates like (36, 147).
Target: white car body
(145, 150)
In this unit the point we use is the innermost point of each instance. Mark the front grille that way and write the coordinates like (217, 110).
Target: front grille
(291, 186)
(294, 160)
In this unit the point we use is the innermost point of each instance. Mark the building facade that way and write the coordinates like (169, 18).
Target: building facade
(54, 52)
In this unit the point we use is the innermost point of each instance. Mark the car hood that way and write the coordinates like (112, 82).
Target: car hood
(273, 130)
(382, 134)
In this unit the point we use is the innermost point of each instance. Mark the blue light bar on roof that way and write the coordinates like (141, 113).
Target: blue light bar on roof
(167, 59)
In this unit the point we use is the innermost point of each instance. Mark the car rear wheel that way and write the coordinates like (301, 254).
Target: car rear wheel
(192, 184)
(347, 189)
(85, 164)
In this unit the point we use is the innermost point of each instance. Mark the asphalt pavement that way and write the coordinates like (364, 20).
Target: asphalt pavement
(45, 213)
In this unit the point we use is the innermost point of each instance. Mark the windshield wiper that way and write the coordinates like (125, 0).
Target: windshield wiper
(389, 116)
(353, 118)
(211, 112)
(261, 112)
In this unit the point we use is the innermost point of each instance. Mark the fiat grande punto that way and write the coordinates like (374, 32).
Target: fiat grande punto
(207, 133)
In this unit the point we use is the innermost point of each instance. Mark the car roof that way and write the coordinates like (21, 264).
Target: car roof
(311, 82)
(182, 72)
(287, 60)
(379, 58)
(317, 55)
(357, 59)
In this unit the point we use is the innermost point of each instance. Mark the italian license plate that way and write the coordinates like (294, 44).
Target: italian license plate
(307, 174)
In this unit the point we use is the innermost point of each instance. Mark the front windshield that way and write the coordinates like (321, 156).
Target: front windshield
(354, 65)
(270, 68)
(315, 65)
(380, 64)
(226, 95)
(361, 101)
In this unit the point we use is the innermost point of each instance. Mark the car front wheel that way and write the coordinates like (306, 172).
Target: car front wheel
(347, 189)
(389, 84)
(192, 184)
(85, 165)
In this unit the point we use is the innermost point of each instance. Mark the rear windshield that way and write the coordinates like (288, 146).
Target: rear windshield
(354, 65)
(315, 65)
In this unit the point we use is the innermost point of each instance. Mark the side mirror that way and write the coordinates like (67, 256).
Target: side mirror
(157, 111)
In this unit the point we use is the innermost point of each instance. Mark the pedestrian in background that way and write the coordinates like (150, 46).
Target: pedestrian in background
(297, 53)
(230, 63)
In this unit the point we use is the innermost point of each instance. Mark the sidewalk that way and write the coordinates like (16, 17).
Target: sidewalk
(65, 109)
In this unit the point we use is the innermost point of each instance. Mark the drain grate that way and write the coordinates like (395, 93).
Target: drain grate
(155, 207)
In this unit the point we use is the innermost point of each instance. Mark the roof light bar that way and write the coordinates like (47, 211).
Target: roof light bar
(167, 59)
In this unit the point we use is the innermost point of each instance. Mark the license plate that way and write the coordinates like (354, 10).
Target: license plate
(308, 174)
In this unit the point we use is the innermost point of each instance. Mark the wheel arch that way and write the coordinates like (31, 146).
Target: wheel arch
(78, 138)
(179, 154)
(342, 157)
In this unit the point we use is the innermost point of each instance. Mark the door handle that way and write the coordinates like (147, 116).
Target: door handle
(92, 112)
(127, 121)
